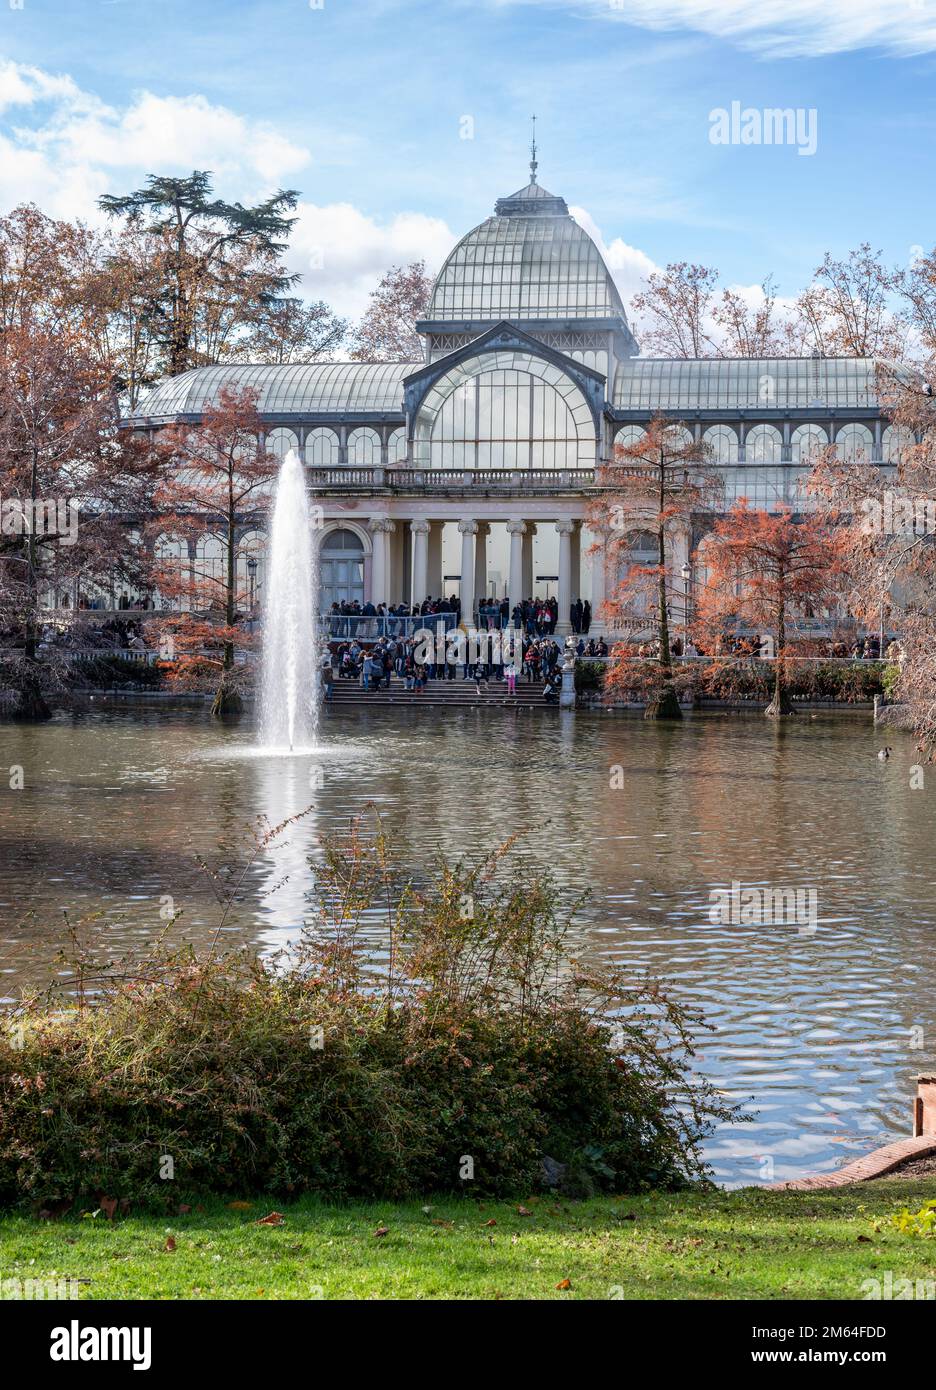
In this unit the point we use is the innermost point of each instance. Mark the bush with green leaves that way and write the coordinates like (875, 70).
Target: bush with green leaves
(458, 1057)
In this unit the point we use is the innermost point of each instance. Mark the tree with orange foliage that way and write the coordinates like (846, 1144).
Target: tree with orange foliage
(655, 483)
(762, 566)
(216, 477)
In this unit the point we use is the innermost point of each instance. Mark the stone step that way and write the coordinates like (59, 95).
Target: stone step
(449, 693)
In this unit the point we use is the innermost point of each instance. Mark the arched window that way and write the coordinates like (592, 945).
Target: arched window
(173, 578)
(250, 569)
(642, 550)
(321, 449)
(341, 568)
(279, 442)
(723, 443)
(678, 437)
(364, 448)
(895, 442)
(210, 583)
(853, 443)
(807, 442)
(396, 447)
(763, 444)
(629, 435)
(505, 410)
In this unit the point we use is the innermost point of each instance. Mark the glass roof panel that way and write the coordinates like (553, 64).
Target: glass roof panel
(740, 384)
(290, 389)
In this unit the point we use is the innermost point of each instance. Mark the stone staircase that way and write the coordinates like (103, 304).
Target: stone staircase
(456, 694)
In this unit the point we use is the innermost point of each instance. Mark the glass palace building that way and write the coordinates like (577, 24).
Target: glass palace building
(469, 471)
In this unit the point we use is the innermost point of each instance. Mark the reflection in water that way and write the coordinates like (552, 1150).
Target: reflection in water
(284, 789)
(818, 1030)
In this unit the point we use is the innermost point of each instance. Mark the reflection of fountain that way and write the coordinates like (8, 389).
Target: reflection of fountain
(283, 787)
(289, 694)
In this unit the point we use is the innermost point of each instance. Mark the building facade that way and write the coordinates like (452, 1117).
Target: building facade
(469, 471)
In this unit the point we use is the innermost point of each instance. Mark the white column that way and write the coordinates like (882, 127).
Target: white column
(527, 578)
(420, 530)
(434, 580)
(516, 530)
(598, 571)
(565, 529)
(480, 564)
(380, 528)
(469, 530)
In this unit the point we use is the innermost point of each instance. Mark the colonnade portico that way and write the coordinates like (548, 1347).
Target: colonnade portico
(405, 563)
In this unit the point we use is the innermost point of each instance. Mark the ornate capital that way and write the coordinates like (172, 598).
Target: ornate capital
(420, 526)
(566, 528)
(516, 528)
(381, 523)
(468, 528)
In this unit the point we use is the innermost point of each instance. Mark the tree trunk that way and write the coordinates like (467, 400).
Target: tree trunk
(227, 702)
(665, 704)
(781, 704)
(30, 707)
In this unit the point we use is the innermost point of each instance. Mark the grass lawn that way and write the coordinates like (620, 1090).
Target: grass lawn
(747, 1244)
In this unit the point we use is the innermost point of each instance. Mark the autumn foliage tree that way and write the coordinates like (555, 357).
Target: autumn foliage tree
(68, 479)
(215, 479)
(657, 483)
(763, 568)
(212, 264)
(387, 332)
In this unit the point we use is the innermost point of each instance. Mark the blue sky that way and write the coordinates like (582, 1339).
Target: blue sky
(360, 105)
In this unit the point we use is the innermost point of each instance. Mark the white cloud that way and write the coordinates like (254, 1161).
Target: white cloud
(629, 266)
(341, 253)
(22, 85)
(67, 147)
(781, 28)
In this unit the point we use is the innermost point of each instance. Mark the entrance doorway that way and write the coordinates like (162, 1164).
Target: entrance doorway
(341, 569)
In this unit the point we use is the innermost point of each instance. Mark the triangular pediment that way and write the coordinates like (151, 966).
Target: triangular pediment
(502, 337)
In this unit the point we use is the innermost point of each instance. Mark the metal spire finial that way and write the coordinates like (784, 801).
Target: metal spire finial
(533, 153)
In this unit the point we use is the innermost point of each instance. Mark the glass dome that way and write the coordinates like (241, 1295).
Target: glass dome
(529, 261)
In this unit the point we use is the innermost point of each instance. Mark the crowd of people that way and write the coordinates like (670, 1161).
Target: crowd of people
(535, 617)
(375, 665)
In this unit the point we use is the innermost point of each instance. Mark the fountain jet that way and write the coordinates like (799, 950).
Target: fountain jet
(290, 678)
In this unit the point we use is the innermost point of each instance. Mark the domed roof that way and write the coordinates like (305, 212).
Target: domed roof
(530, 261)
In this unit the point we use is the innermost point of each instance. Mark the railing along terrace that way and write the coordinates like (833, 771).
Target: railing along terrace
(405, 479)
(365, 627)
(78, 655)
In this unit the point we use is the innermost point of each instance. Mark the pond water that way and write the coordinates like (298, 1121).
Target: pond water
(820, 1033)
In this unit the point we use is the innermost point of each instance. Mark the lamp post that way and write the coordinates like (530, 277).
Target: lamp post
(686, 572)
(252, 582)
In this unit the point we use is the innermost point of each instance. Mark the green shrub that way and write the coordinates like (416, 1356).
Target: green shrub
(589, 676)
(891, 681)
(110, 672)
(474, 1039)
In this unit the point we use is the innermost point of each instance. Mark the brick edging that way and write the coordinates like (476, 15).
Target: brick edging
(872, 1165)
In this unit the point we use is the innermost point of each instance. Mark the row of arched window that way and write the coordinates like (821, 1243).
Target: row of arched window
(764, 443)
(322, 447)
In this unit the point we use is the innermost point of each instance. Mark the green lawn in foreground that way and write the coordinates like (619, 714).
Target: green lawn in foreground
(747, 1244)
